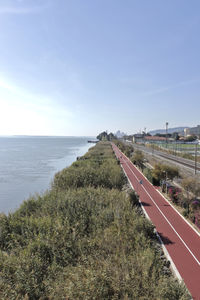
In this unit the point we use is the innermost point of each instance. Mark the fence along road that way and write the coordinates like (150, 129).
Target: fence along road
(180, 239)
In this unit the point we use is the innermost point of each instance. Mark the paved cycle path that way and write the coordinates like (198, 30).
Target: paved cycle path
(180, 239)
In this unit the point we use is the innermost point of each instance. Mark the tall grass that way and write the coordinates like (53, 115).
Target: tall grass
(83, 239)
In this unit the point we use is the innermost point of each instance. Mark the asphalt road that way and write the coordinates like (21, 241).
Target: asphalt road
(180, 239)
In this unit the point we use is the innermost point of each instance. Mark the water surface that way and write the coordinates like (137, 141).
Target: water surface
(28, 165)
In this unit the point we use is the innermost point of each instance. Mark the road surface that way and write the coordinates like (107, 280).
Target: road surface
(180, 239)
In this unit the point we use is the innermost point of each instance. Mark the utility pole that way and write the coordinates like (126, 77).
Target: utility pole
(176, 149)
(195, 165)
(166, 132)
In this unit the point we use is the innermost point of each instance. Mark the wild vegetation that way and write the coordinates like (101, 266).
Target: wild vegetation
(138, 159)
(164, 172)
(105, 136)
(83, 239)
(128, 150)
(187, 196)
(177, 150)
(189, 199)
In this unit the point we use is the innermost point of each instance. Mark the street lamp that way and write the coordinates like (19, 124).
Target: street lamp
(195, 162)
(166, 132)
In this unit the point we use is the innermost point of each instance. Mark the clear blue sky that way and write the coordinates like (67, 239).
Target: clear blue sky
(78, 67)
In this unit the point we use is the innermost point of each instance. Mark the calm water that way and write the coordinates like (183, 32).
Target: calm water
(28, 165)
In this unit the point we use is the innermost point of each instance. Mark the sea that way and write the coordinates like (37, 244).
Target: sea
(28, 165)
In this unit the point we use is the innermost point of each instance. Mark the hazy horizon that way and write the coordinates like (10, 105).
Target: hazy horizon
(29, 135)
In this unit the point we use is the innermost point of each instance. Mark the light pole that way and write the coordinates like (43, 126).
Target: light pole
(166, 132)
(195, 165)
(176, 149)
(152, 149)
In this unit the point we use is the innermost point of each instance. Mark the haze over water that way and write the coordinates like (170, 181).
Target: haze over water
(28, 165)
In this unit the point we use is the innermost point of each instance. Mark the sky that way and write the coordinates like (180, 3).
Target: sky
(79, 67)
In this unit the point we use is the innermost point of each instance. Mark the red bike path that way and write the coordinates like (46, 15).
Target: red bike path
(180, 239)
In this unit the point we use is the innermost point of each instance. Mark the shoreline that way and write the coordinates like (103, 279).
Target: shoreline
(26, 177)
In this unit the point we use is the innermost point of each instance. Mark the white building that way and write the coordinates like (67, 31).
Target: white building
(192, 131)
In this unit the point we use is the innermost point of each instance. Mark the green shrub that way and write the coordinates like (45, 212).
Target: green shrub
(99, 169)
(148, 173)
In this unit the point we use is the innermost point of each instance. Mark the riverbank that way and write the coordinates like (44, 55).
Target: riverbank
(83, 239)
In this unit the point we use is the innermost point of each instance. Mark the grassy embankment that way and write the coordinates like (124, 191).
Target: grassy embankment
(83, 239)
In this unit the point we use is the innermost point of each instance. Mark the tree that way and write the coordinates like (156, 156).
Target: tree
(138, 158)
(191, 138)
(175, 135)
(104, 136)
(192, 189)
(128, 150)
(148, 174)
(161, 172)
(111, 136)
(171, 172)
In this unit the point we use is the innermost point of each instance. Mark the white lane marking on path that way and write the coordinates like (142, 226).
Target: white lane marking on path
(185, 220)
(173, 266)
(165, 217)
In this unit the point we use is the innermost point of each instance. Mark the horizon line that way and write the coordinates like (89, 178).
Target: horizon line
(32, 135)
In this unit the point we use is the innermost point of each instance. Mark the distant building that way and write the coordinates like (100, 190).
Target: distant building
(120, 134)
(138, 138)
(155, 139)
(192, 131)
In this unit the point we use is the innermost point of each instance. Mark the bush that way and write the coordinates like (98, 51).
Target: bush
(138, 159)
(134, 199)
(98, 169)
(148, 174)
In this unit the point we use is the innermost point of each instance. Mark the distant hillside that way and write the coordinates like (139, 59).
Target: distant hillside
(170, 130)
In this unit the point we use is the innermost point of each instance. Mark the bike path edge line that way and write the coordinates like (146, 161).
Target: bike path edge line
(172, 265)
